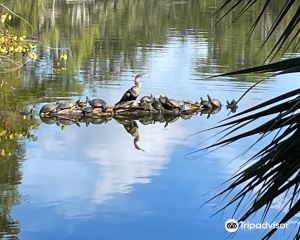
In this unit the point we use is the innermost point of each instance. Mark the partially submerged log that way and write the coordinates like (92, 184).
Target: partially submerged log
(133, 110)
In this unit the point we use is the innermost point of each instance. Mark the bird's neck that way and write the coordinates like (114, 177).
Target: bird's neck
(137, 83)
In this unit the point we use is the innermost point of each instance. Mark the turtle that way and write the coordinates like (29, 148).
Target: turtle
(166, 103)
(185, 107)
(189, 102)
(64, 105)
(204, 104)
(87, 111)
(215, 103)
(148, 99)
(157, 105)
(126, 105)
(80, 104)
(97, 103)
(48, 109)
(214, 110)
(175, 103)
(146, 106)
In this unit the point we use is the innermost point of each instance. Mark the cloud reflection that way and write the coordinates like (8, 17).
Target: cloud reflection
(94, 163)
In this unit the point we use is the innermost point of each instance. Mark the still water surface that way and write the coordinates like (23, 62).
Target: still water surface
(90, 182)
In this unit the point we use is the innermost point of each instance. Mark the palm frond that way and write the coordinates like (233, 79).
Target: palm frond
(273, 172)
(275, 168)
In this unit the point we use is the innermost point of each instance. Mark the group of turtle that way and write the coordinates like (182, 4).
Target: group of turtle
(145, 104)
(84, 107)
(169, 104)
(151, 103)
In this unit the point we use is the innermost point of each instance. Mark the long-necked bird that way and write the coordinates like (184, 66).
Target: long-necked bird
(133, 93)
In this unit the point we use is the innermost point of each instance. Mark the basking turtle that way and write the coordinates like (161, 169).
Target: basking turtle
(48, 109)
(96, 103)
(204, 104)
(167, 103)
(146, 106)
(126, 105)
(157, 105)
(81, 104)
(189, 102)
(148, 99)
(64, 105)
(214, 110)
(87, 111)
(215, 103)
(175, 103)
(185, 107)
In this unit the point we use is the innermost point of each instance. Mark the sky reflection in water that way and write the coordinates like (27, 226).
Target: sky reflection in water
(91, 182)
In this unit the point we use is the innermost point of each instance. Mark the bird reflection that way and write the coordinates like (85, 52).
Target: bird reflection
(132, 128)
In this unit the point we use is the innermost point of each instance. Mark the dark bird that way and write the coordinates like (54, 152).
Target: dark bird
(133, 93)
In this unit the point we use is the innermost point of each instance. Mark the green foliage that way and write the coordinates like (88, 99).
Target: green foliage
(14, 48)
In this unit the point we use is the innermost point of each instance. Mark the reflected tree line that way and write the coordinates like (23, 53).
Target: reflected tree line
(13, 129)
(109, 36)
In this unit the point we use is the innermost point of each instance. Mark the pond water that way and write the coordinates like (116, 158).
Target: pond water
(90, 182)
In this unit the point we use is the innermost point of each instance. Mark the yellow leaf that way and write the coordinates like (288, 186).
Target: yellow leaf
(64, 57)
(3, 18)
(34, 56)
